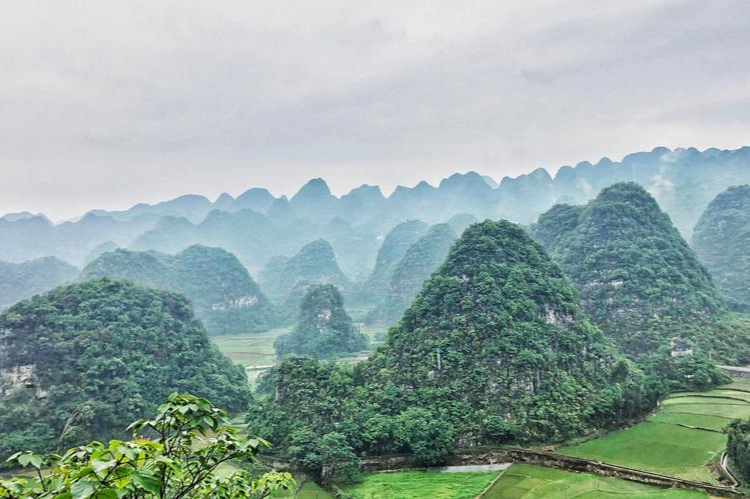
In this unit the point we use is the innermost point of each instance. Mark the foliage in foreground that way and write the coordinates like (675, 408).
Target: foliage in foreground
(82, 359)
(174, 455)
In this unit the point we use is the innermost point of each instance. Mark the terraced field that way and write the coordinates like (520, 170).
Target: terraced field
(524, 481)
(684, 435)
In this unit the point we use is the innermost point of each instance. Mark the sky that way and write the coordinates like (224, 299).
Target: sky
(105, 103)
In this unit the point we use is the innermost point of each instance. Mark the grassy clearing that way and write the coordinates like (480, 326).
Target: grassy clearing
(420, 485)
(672, 441)
(523, 481)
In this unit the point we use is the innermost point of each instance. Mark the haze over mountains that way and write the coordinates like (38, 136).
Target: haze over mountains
(682, 180)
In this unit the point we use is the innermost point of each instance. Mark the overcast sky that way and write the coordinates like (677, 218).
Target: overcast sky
(107, 103)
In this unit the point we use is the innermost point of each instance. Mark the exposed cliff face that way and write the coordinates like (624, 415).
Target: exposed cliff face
(224, 295)
(722, 242)
(637, 277)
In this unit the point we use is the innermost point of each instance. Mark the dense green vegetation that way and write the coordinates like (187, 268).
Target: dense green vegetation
(324, 329)
(494, 349)
(171, 465)
(414, 268)
(679, 440)
(525, 481)
(419, 485)
(721, 240)
(286, 279)
(224, 295)
(79, 361)
(738, 447)
(638, 279)
(19, 281)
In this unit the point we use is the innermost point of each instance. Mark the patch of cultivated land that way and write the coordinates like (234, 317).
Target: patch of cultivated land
(679, 440)
(255, 351)
(524, 481)
(311, 490)
(420, 485)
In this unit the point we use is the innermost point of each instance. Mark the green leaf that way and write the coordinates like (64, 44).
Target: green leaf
(25, 459)
(147, 482)
(82, 489)
(106, 494)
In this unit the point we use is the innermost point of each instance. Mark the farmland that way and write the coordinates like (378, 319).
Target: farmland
(255, 351)
(523, 481)
(679, 440)
(420, 484)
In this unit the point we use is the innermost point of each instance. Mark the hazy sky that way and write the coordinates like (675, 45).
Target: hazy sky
(107, 103)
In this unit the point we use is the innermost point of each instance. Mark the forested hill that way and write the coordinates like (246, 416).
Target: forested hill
(409, 274)
(286, 279)
(638, 279)
(393, 249)
(224, 295)
(19, 281)
(722, 242)
(494, 348)
(498, 329)
(257, 226)
(323, 329)
(80, 362)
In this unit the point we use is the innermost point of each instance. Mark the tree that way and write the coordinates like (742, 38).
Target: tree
(172, 456)
(428, 437)
(738, 447)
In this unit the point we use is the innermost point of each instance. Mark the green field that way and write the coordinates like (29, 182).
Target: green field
(255, 351)
(311, 490)
(678, 441)
(524, 481)
(420, 485)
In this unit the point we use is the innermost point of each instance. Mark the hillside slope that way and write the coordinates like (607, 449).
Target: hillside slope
(19, 281)
(722, 242)
(415, 267)
(638, 279)
(80, 362)
(224, 295)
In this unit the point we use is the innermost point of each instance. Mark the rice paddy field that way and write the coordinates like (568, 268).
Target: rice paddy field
(420, 485)
(679, 440)
(524, 481)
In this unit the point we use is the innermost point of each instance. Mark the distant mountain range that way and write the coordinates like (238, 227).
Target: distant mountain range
(257, 226)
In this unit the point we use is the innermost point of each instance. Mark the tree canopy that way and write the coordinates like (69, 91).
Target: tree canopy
(224, 295)
(495, 348)
(638, 279)
(77, 361)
